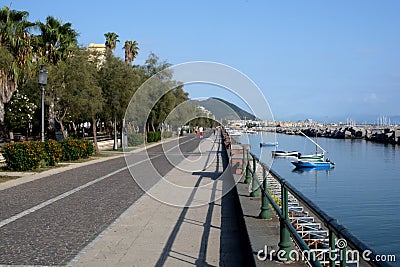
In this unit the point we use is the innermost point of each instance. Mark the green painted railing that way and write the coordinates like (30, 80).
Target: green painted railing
(287, 230)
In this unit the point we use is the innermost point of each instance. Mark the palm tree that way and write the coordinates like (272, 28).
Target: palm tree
(16, 47)
(111, 40)
(57, 41)
(131, 51)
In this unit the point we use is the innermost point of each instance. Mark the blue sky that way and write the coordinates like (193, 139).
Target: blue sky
(327, 60)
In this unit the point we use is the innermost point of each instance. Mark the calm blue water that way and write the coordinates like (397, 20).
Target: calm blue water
(362, 191)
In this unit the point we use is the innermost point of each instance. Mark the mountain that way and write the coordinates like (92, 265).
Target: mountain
(224, 110)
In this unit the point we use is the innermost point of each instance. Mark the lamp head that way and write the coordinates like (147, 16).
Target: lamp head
(43, 74)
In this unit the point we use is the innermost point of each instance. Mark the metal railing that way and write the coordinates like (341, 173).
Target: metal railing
(296, 223)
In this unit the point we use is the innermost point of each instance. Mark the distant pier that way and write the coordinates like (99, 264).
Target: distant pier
(386, 135)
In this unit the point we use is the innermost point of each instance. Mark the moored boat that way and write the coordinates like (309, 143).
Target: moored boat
(235, 132)
(269, 144)
(279, 153)
(312, 157)
(249, 131)
(317, 157)
(312, 164)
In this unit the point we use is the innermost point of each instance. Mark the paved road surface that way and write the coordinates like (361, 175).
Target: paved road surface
(48, 221)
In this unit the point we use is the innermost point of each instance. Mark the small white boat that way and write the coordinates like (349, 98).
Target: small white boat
(235, 133)
(249, 131)
(279, 153)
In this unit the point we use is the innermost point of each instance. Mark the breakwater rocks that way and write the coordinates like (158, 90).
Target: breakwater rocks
(369, 133)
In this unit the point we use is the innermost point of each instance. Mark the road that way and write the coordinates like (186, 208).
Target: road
(50, 220)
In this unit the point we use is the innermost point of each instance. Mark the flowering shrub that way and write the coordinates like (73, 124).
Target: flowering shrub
(26, 156)
(19, 111)
(74, 149)
(53, 152)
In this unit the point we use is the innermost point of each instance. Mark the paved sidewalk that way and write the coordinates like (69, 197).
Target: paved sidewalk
(192, 229)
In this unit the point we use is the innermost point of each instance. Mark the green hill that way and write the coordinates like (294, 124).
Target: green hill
(224, 110)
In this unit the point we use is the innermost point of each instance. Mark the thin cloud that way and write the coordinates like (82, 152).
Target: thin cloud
(372, 98)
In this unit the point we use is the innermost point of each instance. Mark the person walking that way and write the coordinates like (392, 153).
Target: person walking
(201, 131)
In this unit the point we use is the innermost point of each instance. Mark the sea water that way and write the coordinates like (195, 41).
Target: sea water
(362, 191)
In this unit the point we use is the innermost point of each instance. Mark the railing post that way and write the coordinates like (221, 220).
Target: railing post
(265, 212)
(343, 252)
(254, 183)
(248, 172)
(244, 162)
(333, 256)
(284, 243)
(332, 249)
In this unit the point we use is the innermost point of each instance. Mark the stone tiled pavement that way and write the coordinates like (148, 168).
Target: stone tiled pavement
(153, 233)
(150, 232)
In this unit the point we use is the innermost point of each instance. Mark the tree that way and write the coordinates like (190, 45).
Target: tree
(74, 90)
(57, 41)
(118, 82)
(156, 98)
(131, 51)
(91, 94)
(16, 56)
(111, 40)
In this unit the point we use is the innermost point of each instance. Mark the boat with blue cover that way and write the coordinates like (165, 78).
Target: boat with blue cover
(313, 164)
(315, 160)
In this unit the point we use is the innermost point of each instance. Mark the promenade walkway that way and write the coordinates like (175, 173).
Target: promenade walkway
(154, 233)
(96, 214)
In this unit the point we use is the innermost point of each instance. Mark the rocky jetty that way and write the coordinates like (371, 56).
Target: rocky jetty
(370, 133)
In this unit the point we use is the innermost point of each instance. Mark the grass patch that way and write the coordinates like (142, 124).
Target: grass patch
(103, 155)
(4, 169)
(5, 178)
(77, 161)
(124, 149)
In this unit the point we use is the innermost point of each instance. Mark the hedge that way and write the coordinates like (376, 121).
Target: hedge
(32, 155)
(74, 149)
(166, 134)
(153, 137)
(54, 152)
(23, 156)
(135, 139)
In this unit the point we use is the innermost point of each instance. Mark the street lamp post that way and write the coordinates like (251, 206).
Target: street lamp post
(42, 76)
